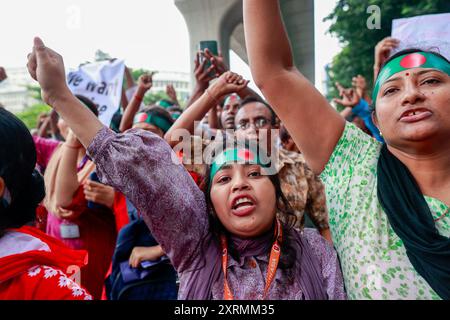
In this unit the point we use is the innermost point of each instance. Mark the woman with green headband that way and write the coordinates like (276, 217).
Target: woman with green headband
(153, 119)
(244, 253)
(388, 203)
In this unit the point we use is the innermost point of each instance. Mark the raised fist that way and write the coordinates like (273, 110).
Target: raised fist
(47, 67)
(145, 81)
(227, 83)
(3, 75)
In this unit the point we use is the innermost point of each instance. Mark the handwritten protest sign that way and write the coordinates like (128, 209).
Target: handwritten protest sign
(102, 83)
(429, 32)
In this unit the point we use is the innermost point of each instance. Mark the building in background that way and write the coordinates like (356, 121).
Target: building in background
(222, 21)
(14, 95)
(180, 81)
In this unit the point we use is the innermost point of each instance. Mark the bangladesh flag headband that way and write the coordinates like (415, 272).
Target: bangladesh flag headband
(232, 98)
(153, 119)
(238, 155)
(410, 61)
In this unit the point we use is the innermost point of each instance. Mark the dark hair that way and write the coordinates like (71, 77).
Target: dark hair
(17, 168)
(115, 121)
(284, 134)
(88, 103)
(253, 99)
(158, 111)
(287, 216)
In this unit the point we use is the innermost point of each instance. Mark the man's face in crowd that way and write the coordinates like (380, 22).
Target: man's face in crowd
(250, 119)
(229, 111)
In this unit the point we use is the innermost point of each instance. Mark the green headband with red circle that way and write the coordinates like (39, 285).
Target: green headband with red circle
(237, 155)
(153, 119)
(232, 98)
(409, 61)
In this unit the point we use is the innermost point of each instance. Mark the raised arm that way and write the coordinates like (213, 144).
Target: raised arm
(47, 67)
(213, 119)
(202, 78)
(139, 164)
(3, 74)
(67, 182)
(221, 67)
(227, 83)
(144, 168)
(145, 83)
(172, 94)
(43, 125)
(307, 115)
(383, 50)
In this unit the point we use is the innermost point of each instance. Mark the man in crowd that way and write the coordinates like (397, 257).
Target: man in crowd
(302, 188)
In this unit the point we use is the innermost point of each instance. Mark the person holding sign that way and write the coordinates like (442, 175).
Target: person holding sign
(230, 246)
(388, 203)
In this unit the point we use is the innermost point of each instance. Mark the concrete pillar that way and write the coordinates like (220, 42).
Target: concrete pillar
(210, 20)
(221, 20)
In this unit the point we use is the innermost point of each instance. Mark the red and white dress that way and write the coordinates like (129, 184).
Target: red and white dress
(34, 266)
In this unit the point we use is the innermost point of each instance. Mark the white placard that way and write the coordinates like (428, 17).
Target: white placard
(428, 32)
(102, 83)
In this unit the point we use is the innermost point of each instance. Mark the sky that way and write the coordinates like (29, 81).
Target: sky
(152, 33)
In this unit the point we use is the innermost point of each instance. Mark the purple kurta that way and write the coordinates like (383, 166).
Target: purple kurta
(140, 165)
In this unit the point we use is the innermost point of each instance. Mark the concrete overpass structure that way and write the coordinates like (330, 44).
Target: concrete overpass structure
(221, 20)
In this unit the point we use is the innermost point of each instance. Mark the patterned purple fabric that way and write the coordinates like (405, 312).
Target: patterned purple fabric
(140, 165)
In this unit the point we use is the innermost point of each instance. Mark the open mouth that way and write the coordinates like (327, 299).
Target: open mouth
(243, 206)
(415, 115)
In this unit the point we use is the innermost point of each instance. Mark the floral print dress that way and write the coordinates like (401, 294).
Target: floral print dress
(373, 258)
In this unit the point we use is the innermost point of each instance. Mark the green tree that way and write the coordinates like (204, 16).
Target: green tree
(349, 24)
(136, 73)
(34, 91)
(150, 97)
(31, 114)
(153, 97)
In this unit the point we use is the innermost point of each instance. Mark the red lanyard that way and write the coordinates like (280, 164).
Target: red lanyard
(271, 268)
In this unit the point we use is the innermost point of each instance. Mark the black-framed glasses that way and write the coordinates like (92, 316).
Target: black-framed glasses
(258, 123)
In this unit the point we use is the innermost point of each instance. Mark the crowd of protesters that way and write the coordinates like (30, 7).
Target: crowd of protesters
(233, 196)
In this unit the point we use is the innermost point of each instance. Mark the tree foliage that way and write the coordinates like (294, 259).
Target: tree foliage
(349, 24)
(150, 97)
(153, 97)
(30, 115)
(34, 91)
